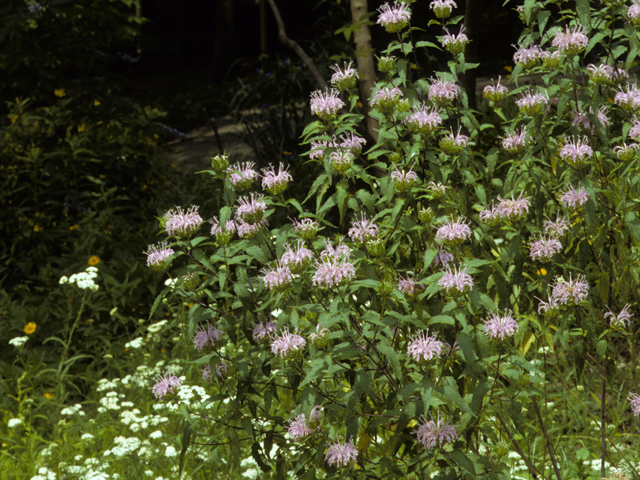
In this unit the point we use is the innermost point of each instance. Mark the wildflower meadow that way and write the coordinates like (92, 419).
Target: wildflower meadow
(454, 295)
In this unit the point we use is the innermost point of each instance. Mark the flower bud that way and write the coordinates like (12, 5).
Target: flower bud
(219, 164)
(375, 247)
(387, 64)
(426, 216)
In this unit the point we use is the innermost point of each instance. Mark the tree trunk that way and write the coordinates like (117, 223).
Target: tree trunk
(223, 39)
(364, 60)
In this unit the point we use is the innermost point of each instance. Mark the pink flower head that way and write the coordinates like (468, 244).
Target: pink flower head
(453, 144)
(443, 257)
(516, 142)
(251, 209)
(229, 227)
(274, 182)
(206, 336)
(403, 179)
(316, 414)
(442, 8)
(305, 227)
(326, 104)
(545, 248)
(453, 232)
(548, 308)
(626, 151)
(442, 91)
(437, 190)
(633, 12)
(296, 258)
(386, 98)
(341, 454)
(571, 41)
(158, 254)
(344, 78)
(263, 330)
(167, 383)
(500, 326)
(180, 223)
(628, 97)
(571, 292)
(556, 227)
(287, 344)
(580, 119)
(634, 131)
(576, 152)
(621, 320)
(221, 369)
(353, 143)
(206, 373)
(533, 103)
(341, 160)
(574, 198)
(491, 215)
(277, 278)
(247, 230)
(456, 281)
(363, 230)
(318, 337)
(550, 60)
(332, 273)
(430, 433)
(242, 175)
(634, 400)
(408, 286)
(527, 56)
(455, 43)
(395, 18)
(340, 251)
(423, 120)
(298, 428)
(318, 148)
(424, 347)
(495, 92)
(601, 74)
(513, 208)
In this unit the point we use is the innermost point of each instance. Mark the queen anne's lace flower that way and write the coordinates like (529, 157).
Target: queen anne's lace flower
(341, 454)
(287, 344)
(500, 326)
(425, 347)
(545, 248)
(620, 320)
(431, 433)
(571, 41)
(298, 428)
(395, 18)
(158, 254)
(326, 104)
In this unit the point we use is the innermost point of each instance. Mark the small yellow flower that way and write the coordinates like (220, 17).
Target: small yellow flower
(93, 260)
(102, 176)
(190, 304)
(73, 227)
(29, 328)
(13, 117)
(48, 395)
(508, 68)
(286, 153)
(37, 228)
(60, 92)
(96, 102)
(541, 271)
(82, 128)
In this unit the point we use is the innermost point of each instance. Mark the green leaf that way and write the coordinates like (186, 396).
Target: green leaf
(584, 13)
(390, 465)
(462, 460)
(186, 439)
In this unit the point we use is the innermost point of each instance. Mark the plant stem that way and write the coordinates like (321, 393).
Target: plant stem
(546, 439)
(60, 388)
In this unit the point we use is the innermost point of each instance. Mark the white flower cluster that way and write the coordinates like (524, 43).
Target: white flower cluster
(45, 474)
(84, 280)
(136, 343)
(135, 422)
(18, 341)
(14, 422)
(156, 327)
(193, 395)
(124, 446)
(77, 408)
